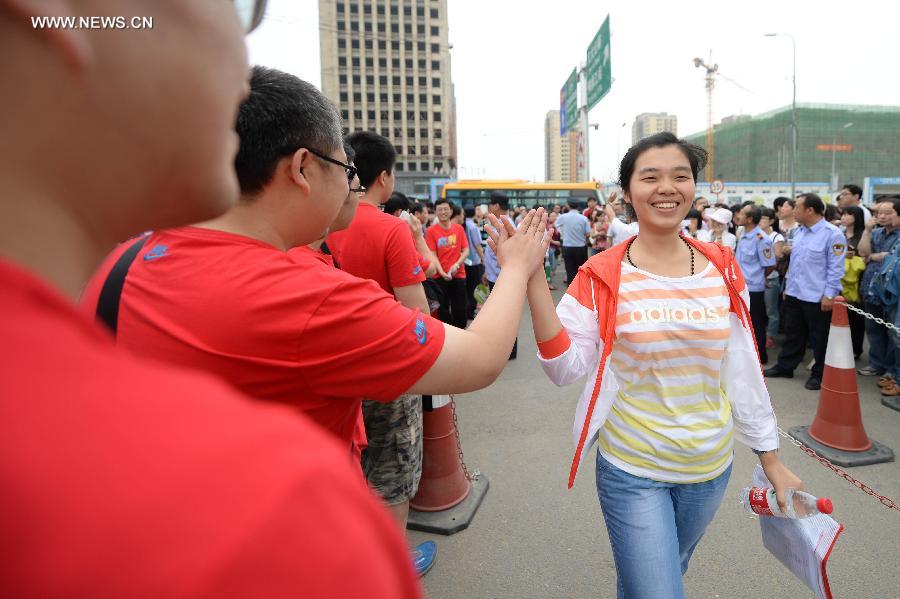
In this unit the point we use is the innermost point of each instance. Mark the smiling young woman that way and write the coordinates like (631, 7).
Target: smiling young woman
(660, 325)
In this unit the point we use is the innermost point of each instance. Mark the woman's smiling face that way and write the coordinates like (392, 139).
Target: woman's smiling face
(662, 187)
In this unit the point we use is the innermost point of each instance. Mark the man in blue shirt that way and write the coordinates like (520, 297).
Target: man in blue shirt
(575, 229)
(876, 243)
(756, 258)
(474, 263)
(813, 281)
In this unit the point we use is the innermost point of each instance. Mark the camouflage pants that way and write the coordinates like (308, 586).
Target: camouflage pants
(392, 462)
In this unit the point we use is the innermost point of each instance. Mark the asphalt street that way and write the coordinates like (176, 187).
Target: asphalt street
(533, 538)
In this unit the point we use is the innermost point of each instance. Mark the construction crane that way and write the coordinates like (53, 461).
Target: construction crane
(712, 71)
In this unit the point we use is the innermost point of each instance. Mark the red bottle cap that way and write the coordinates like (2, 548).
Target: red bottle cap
(824, 505)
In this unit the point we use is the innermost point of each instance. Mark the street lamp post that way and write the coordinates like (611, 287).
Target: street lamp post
(834, 178)
(793, 113)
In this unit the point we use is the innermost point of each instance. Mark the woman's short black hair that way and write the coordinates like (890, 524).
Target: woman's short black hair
(694, 214)
(780, 200)
(696, 155)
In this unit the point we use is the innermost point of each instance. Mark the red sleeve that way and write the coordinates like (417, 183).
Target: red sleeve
(401, 258)
(361, 342)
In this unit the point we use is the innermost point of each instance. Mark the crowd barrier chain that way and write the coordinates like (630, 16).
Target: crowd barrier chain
(837, 434)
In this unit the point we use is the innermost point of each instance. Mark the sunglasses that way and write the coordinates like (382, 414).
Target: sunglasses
(348, 168)
(250, 12)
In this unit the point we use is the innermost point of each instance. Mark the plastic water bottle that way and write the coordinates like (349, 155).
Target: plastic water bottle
(762, 501)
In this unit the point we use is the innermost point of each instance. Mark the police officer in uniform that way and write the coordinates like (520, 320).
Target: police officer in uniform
(813, 281)
(756, 258)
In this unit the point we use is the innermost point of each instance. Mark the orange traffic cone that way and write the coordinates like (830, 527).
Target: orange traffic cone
(837, 431)
(446, 501)
(443, 483)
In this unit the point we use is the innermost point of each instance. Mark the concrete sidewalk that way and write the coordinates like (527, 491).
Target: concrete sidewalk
(533, 538)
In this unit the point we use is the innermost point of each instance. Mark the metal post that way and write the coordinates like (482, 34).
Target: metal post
(794, 121)
(583, 120)
(586, 129)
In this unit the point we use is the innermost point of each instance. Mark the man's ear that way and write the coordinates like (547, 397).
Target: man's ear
(46, 19)
(298, 171)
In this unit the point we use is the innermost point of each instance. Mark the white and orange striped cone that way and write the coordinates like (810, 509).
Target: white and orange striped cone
(837, 431)
(446, 500)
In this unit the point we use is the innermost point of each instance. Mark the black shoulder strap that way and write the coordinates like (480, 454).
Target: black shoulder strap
(108, 304)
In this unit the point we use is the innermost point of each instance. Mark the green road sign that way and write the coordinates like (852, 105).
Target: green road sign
(568, 103)
(598, 72)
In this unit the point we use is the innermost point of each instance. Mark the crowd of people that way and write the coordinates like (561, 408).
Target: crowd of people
(218, 330)
(836, 249)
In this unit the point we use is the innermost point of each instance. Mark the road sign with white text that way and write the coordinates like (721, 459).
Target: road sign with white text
(568, 103)
(598, 73)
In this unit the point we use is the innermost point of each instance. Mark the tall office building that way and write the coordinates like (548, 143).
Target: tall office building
(386, 66)
(558, 150)
(648, 123)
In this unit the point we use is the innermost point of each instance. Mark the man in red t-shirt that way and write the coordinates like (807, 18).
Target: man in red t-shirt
(225, 296)
(122, 476)
(448, 241)
(379, 247)
(320, 250)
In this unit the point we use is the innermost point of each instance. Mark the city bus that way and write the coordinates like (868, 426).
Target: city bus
(471, 193)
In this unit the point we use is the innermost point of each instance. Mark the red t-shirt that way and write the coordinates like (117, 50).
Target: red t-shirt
(122, 477)
(448, 244)
(379, 247)
(359, 440)
(279, 327)
(326, 259)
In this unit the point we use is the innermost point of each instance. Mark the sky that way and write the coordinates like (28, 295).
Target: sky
(510, 58)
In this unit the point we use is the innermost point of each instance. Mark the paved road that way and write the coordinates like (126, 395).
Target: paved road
(532, 538)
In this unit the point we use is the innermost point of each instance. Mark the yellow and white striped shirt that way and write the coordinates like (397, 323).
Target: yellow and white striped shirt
(670, 420)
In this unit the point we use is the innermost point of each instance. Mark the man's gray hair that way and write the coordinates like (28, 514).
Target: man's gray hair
(282, 114)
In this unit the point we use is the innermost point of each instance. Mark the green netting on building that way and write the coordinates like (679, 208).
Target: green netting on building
(759, 148)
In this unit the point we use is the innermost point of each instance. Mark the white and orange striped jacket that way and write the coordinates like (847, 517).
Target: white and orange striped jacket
(588, 313)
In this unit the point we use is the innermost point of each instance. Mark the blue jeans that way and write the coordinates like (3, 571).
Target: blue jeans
(654, 528)
(882, 353)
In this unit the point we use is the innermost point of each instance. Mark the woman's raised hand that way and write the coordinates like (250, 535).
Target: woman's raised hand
(524, 247)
